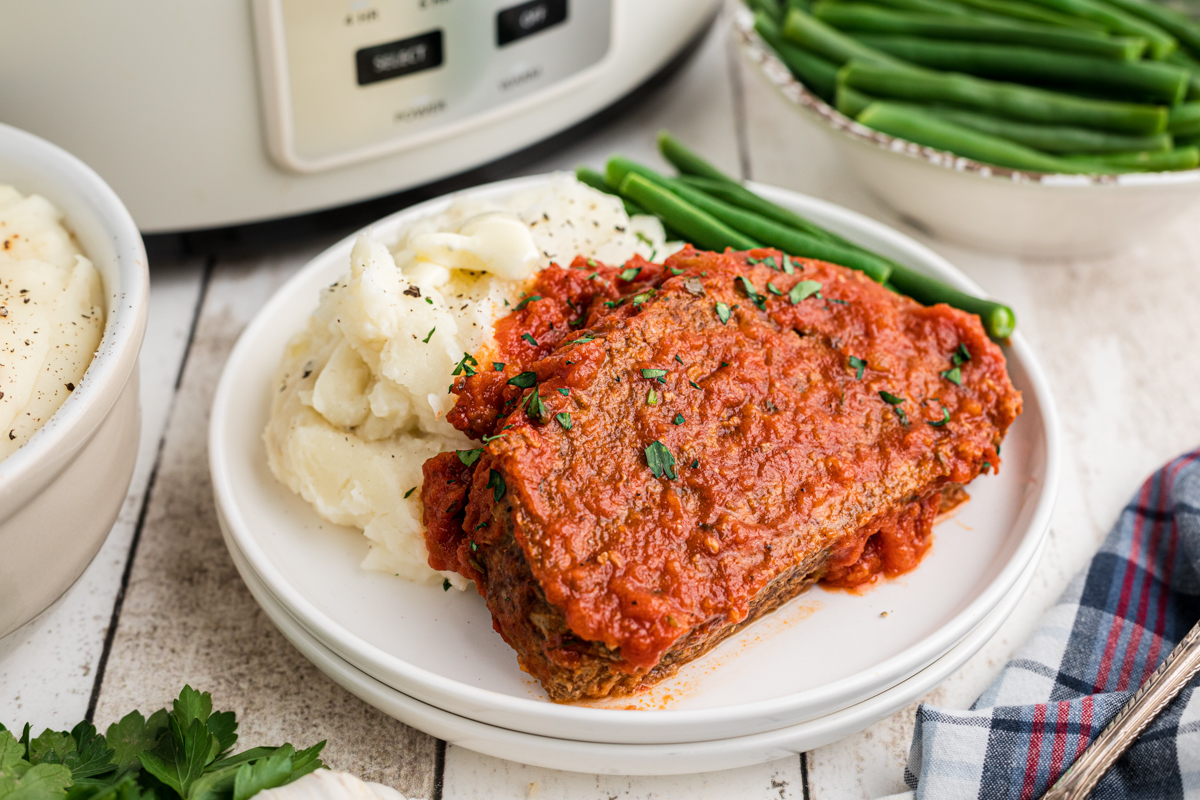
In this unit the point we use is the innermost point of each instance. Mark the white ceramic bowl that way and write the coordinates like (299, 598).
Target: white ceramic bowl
(979, 205)
(439, 648)
(61, 492)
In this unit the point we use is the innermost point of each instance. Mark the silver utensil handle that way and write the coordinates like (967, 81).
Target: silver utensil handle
(1168, 680)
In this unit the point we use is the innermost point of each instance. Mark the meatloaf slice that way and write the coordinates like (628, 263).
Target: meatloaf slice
(702, 453)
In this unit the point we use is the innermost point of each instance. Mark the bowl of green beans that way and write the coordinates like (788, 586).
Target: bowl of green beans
(1036, 127)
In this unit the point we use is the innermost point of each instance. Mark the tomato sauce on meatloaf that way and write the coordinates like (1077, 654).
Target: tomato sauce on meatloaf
(669, 451)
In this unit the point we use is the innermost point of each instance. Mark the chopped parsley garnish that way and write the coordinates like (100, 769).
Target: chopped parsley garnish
(754, 296)
(408, 494)
(803, 290)
(564, 392)
(694, 385)
(769, 261)
(839, 302)
(429, 300)
(524, 380)
(773, 289)
(959, 357)
(587, 337)
(724, 364)
(429, 335)
(660, 460)
(467, 365)
(678, 419)
(677, 358)
(445, 584)
(677, 270)
(652, 398)
(788, 267)
(527, 301)
(693, 286)
(469, 457)
(643, 297)
(473, 546)
(895, 402)
(986, 466)
(564, 419)
(695, 463)
(751, 260)
(592, 277)
(496, 484)
(945, 418)
(723, 313)
(529, 339)
(537, 409)
(630, 274)
(591, 262)
(661, 374)
(858, 364)
(487, 438)
(498, 366)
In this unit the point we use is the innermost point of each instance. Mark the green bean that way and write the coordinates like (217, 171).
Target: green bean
(869, 18)
(737, 195)
(771, 8)
(946, 7)
(786, 239)
(1182, 27)
(1192, 140)
(816, 73)
(1050, 138)
(1185, 119)
(816, 36)
(1151, 79)
(1002, 99)
(1029, 12)
(1117, 21)
(592, 178)
(1161, 161)
(699, 227)
(852, 102)
(916, 125)
(1182, 59)
(767, 231)
(687, 161)
(998, 319)
(699, 174)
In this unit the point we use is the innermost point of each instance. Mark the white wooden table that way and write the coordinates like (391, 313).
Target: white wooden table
(162, 604)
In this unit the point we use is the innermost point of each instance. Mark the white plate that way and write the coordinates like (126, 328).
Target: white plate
(823, 652)
(625, 759)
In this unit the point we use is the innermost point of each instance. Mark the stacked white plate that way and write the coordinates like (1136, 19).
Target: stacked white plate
(823, 667)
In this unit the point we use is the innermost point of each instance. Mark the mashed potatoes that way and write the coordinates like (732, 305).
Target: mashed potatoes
(363, 394)
(51, 315)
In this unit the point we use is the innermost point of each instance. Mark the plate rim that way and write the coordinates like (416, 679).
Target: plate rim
(928, 678)
(900, 666)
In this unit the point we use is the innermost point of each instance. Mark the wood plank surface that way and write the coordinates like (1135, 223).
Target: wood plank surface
(1115, 335)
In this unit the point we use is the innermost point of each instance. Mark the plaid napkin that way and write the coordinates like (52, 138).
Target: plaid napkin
(1115, 623)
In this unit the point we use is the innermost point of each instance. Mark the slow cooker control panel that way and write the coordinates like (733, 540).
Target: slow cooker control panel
(347, 81)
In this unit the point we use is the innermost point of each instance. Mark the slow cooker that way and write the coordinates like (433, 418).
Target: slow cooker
(224, 112)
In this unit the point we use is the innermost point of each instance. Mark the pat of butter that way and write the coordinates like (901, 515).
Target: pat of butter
(498, 243)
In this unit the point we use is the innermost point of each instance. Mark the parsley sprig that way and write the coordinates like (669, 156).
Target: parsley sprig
(183, 753)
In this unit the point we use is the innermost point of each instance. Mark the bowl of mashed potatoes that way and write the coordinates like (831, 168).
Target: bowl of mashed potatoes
(74, 288)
